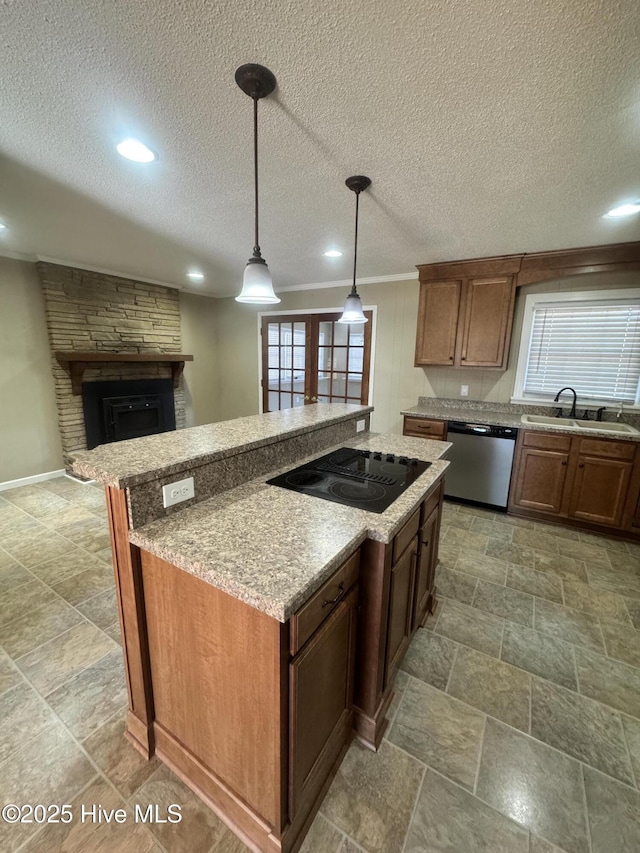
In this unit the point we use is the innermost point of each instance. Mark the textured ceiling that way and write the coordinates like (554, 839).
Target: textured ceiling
(486, 126)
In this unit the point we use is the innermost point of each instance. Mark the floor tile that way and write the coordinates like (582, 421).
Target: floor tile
(616, 684)
(9, 675)
(440, 731)
(493, 529)
(466, 540)
(585, 729)
(372, 796)
(491, 686)
(23, 716)
(470, 626)
(614, 814)
(621, 582)
(119, 761)
(115, 632)
(539, 654)
(51, 768)
(629, 563)
(322, 837)
(582, 551)
(514, 521)
(598, 602)
(63, 486)
(455, 585)
(198, 831)
(38, 626)
(537, 540)
(539, 845)
(557, 530)
(631, 728)
(504, 602)
(12, 574)
(535, 785)
(481, 566)
(21, 600)
(604, 542)
(16, 525)
(565, 567)
(102, 609)
(460, 520)
(48, 666)
(80, 837)
(96, 578)
(633, 606)
(510, 553)
(447, 819)
(90, 533)
(37, 548)
(63, 517)
(399, 686)
(73, 562)
(476, 511)
(570, 626)
(429, 658)
(38, 503)
(542, 584)
(621, 643)
(447, 555)
(89, 699)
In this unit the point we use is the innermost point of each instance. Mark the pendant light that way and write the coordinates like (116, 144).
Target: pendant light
(353, 313)
(257, 288)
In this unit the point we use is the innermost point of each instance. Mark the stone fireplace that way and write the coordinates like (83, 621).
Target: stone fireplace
(94, 316)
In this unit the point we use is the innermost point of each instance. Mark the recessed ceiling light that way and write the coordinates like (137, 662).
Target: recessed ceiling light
(625, 210)
(332, 253)
(195, 275)
(3, 227)
(135, 150)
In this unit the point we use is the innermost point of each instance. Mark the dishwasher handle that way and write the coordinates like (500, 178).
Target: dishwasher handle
(482, 430)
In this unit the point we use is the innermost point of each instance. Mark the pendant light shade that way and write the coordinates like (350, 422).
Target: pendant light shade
(257, 288)
(353, 313)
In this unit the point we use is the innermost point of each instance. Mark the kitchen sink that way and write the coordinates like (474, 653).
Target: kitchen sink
(572, 423)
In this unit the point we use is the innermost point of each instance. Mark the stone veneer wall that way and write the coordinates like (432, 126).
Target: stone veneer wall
(89, 311)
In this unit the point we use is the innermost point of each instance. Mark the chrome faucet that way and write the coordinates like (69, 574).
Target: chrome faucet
(572, 413)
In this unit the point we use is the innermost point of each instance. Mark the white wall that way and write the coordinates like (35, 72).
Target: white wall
(29, 437)
(198, 320)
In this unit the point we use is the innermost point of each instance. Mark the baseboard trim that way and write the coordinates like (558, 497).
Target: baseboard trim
(28, 481)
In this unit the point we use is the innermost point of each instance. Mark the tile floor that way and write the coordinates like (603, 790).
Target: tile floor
(515, 727)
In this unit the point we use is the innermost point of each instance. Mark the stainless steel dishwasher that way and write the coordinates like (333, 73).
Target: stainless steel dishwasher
(481, 459)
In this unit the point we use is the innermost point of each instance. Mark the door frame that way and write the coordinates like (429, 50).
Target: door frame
(302, 311)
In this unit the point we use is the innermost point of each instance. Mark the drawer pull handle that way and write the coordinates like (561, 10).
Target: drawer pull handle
(337, 598)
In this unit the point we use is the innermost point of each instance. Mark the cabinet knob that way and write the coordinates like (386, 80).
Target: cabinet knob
(450, 358)
(464, 358)
(581, 465)
(564, 463)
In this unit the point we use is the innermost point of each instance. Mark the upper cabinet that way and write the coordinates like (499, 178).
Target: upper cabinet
(465, 322)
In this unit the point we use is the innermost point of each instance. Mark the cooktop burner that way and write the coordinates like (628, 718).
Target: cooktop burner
(360, 478)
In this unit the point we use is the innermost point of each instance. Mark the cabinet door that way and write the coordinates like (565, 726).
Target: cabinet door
(426, 569)
(486, 326)
(400, 609)
(321, 702)
(541, 479)
(437, 322)
(600, 489)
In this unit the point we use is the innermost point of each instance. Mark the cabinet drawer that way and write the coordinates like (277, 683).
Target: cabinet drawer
(323, 602)
(602, 447)
(429, 505)
(404, 537)
(425, 428)
(547, 441)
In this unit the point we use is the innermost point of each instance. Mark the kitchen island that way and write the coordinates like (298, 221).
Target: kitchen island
(262, 627)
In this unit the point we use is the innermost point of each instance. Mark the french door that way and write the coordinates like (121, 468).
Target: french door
(311, 358)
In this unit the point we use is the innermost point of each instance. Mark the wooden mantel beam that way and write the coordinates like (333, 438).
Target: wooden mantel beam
(77, 363)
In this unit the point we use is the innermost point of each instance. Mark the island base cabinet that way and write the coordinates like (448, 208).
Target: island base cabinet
(256, 730)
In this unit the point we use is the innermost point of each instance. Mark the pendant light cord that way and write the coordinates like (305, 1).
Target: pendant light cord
(256, 248)
(355, 247)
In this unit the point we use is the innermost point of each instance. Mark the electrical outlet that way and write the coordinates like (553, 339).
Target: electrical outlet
(175, 493)
(464, 390)
(360, 425)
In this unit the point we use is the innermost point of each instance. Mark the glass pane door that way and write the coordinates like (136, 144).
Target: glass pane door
(284, 363)
(343, 360)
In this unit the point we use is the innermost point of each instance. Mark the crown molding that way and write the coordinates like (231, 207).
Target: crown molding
(103, 271)
(347, 282)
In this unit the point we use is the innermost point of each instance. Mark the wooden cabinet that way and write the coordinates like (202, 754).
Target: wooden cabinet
(396, 591)
(321, 702)
(465, 322)
(573, 477)
(424, 428)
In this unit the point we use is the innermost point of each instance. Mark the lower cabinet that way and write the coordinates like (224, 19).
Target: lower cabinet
(424, 428)
(424, 597)
(584, 479)
(400, 607)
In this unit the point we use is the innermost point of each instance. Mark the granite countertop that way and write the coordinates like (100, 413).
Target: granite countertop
(139, 460)
(273, 548)
(496, 417)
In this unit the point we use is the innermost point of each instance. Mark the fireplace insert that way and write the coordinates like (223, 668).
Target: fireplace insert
(121, 409)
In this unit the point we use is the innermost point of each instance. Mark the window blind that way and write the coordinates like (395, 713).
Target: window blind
(593, 347)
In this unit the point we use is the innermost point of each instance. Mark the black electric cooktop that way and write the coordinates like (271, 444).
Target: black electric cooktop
(360, 478)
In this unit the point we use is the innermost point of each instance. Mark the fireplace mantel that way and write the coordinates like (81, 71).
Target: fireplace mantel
(77, 362)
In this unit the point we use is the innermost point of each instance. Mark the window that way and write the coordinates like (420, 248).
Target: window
(589, 341)
(309, 358)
